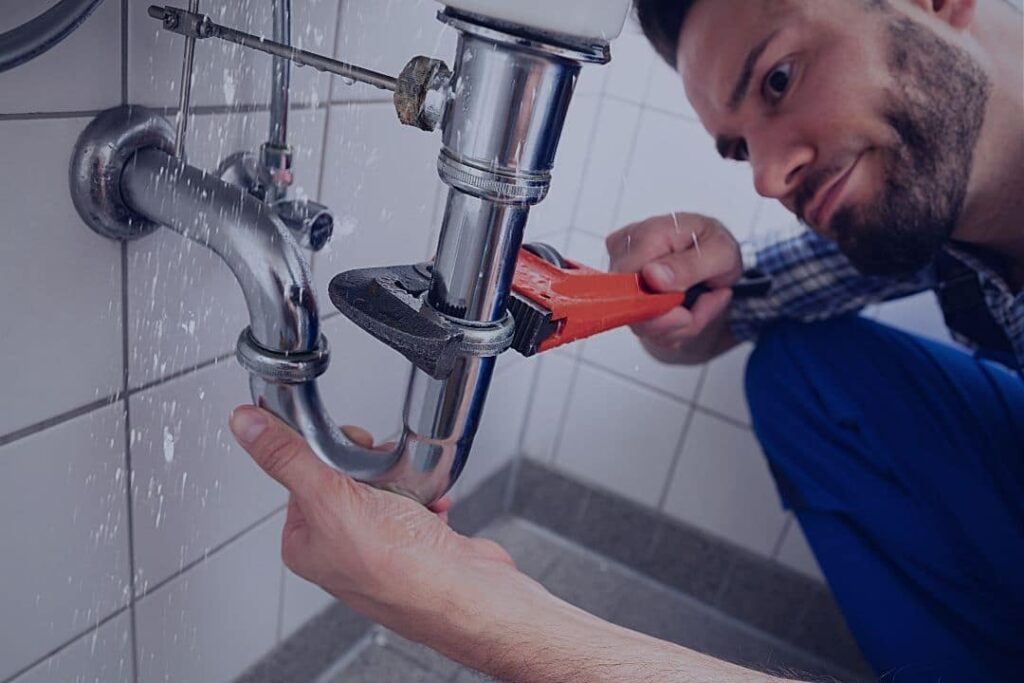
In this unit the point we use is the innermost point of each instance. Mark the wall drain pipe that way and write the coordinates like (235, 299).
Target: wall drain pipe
(501, 120)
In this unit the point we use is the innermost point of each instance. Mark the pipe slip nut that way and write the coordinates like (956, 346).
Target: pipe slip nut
(422, 92)
(282, 368)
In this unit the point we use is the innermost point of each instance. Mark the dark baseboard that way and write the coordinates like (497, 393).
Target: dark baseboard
(756, 590)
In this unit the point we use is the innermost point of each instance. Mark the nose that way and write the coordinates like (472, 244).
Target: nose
(779, 165)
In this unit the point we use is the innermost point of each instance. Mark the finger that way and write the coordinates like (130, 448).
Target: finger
(280, 451)
(710, 306)
(359, 436)
(679, 271)
(441, 505)
(676, 319)
(636, 245)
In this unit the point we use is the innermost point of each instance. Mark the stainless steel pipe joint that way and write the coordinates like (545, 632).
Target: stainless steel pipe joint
(509, 95)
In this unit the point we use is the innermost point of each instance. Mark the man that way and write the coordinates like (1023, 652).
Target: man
(894, 129)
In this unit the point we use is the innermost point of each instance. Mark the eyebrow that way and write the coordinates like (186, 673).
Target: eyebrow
(739, 92)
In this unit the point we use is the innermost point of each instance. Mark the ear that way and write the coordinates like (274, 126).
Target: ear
(959, 14)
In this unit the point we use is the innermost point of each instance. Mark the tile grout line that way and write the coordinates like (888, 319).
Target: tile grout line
(711, 412)
(129, 480)
(57, 420)
(36, 115)
(207, 554)
(314, 259)
(777, 548)
(66, 644)
(133, 640)
(178, 374)
(681, 442)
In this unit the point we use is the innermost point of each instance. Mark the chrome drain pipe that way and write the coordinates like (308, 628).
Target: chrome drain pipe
(501, 117)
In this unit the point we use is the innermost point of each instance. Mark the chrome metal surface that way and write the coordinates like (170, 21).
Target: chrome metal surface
(34, 37)
(476, 256)
(281, 75)
(243, 231)
(242, 169)
(526, 38)
(287, 368)
(98, 162)
(510, 95)
(440, 417)
(201, 26)
(275, 154)
(185, 89)
(310, 223)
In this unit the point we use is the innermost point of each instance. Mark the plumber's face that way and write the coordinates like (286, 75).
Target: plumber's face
(859, 119)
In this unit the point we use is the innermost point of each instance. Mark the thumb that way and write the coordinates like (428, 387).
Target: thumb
(278, 450)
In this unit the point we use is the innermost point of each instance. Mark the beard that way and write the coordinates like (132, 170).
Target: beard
(936, 110)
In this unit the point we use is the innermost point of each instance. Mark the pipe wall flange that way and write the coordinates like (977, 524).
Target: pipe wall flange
(103, 149)
(282, 368)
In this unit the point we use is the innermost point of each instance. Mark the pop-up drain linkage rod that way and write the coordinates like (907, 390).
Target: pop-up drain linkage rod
(199, 26)
(421, 91)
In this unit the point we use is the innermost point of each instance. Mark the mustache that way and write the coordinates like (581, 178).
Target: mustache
(809, 188)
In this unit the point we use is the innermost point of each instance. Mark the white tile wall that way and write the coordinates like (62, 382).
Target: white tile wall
(675, 167)
(194, 487)
(88, 65)
(65, 535)
(620, 436)
(302, 601)
(606, 172)
(548, 403)
(211, 623)
(722, 387)
(723, 485)
(104, 654)
(61, 283)
(226, 74)
(383, 36)
(795, 552)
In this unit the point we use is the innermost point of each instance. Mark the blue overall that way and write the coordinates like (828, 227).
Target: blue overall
(903, 460)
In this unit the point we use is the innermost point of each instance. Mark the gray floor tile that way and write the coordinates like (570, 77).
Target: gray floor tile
(312, 649)
(686, 559)
(768, 596)
(548, 498)
(534, 552)
(470, 676)
(483, 506)
(586, 581)
(613, 526)
(378, 664)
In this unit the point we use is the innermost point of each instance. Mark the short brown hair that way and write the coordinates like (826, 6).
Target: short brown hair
(662, 21)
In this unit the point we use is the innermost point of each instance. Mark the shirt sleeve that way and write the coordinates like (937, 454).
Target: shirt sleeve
(812, 280)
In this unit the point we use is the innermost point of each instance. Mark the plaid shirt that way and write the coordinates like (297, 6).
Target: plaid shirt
(812, 280)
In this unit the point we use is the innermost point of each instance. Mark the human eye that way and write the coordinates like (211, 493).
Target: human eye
(777, 81)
